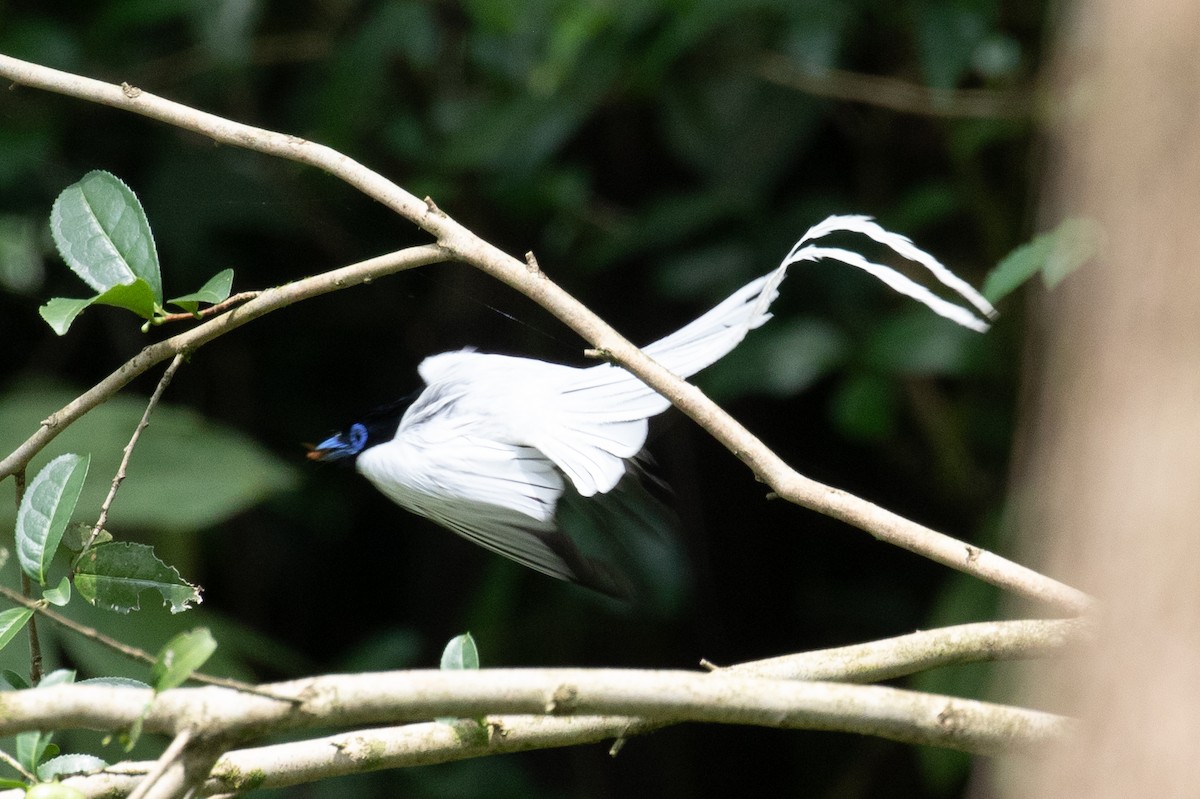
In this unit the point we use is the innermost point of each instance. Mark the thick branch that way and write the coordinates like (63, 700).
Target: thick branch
(458, 242)
(426, 743)
(662, 697)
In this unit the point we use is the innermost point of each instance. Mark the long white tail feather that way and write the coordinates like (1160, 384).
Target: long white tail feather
(899, 283)
(602, 410)
(902, 246)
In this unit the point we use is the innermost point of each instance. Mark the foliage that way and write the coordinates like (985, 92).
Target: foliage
(104, 236)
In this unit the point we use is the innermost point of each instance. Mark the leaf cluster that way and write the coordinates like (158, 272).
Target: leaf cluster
(103, 235)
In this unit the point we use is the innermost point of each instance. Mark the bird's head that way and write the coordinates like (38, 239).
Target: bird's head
(341, 446)
(376, 427)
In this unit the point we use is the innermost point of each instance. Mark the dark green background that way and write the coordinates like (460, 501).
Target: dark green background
(639, 151)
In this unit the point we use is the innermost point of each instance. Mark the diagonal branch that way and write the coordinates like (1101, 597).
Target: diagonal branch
(456, 241)
(119, 477)
(188, 342)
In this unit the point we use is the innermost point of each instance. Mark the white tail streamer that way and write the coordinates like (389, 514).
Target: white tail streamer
(902, 246)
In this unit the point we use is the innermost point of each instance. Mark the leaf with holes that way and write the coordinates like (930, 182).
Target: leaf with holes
(113, 575)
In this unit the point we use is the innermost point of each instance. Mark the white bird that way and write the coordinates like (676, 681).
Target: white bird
(493, 443)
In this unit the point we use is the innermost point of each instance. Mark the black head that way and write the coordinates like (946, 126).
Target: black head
(376, 427)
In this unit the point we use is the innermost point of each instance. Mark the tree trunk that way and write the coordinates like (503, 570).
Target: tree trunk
(1110, 490)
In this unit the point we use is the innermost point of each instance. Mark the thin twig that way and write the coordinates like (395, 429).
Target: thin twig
(119, 477)
(895, 94)
(212, 310)
(456, 241)
(16, 764)
(171, 755)
(131, 652)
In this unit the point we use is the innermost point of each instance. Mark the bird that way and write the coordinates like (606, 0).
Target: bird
(496, 448)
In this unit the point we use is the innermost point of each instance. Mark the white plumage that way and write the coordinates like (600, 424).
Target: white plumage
(493, 441)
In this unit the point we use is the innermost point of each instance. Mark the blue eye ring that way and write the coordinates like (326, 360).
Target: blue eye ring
(358, 438)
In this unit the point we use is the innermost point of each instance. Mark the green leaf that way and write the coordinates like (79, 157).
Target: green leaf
(460, 654)
(187, 473)
(64, 765)
(1072, 244)
(114, 682)
(7, 783)
(60, 595)
(58, 677)
(15, 681)
(60, 312)
(12, 621)
(181, 656)
(102, 233)
(54, 790)
(33, 746)
(1055, 254)
(113, 575)
(136, 296)
(45, 510)
(215, 290)
(77, 535)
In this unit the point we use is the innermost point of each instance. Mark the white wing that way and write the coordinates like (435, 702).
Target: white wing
(500, 495)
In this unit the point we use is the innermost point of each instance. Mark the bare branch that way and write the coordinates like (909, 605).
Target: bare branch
(15, 764)
(660, 697)
(427, 743)
(155, 781)
(119, 477)
(212, 310)
(132, 652)
(890, 658)
(458, 242)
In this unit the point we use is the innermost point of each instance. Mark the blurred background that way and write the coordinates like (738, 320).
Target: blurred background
(655, 156)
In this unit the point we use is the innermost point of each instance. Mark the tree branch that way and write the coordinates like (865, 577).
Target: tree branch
(660, 697)
(119, 477)
(890, 658)
(183, 343)
(458, 242)
(426, 743)
(157, 780)
(39, 607)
